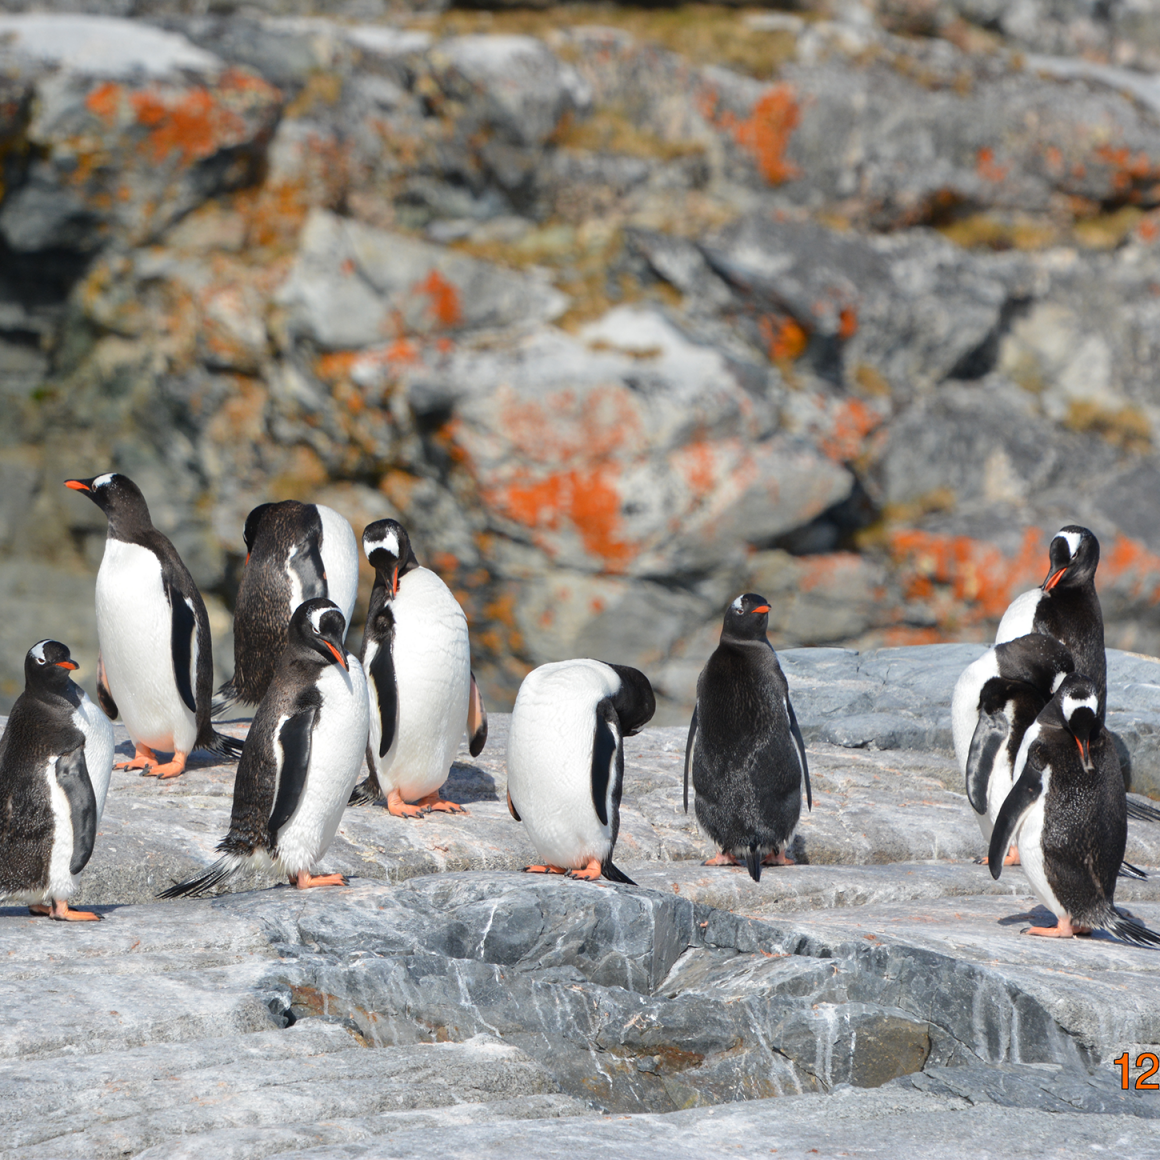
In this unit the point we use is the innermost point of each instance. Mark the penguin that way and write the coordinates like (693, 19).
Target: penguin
(996, 700)
(422, 692)
(745, 750)
(295, 552)
(48, 808)
(1068, 812)
(1066, 606)
(47, 666)
(565, 761)
(156, 666)
(302, 757)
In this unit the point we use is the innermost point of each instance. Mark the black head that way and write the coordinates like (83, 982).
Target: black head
(1079, 706)
(118, 497)
(388, 547)
(47, 666)
(1036, 659)
(635, 702)
(250, 531)
(747, 617)
(317, 627)
(1075, 555)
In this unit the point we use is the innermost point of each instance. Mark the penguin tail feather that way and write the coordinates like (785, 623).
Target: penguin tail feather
(1127, 870)
(224, 699)
(1127, 928)
(614, 873)
(221, 871)
(753, 858)
(367, 792)
(1142, 812)
(225, 746)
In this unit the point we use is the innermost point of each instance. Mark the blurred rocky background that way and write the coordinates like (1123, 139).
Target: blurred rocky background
(621, 310)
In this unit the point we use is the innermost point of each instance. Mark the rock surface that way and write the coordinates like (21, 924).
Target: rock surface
(877, 994)
(852, 305)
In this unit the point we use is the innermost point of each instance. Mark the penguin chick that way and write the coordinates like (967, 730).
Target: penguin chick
(301, 759)
(745, 751)
(1065, 606)
(156, 657)
(295, 552)
(565, 761)
(48, 809)
(1068, 812)
(422, 692)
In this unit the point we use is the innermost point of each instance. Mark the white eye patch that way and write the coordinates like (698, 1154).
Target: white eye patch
(1072, 538)
(1070, 704)
(390, 542)
(37, 651)
(737, 604)
(316, 616)
(102, 480)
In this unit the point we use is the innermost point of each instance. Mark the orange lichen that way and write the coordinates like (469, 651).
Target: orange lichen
(847, 323)
(698, 464)
(444, 298)
(191, 125)
(765, 133)
(1128, 562)
(785, 338)
(828, 570)
(986, 166)
(104, 101)
(852, 421)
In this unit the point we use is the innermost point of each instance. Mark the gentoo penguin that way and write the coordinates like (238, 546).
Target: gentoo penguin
(1066, 606)
(417, 659)
(48, 810)
(47, 666)
(301, 760)
(156, 663)
(565, 761)
(745, 750)
(1067, 811)
(996, 700)
(295, 552)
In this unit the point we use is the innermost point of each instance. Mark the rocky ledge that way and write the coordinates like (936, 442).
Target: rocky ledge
(877, 994)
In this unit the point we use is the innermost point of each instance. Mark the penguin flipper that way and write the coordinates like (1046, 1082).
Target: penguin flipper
(1127, 870)
(183, 629)
(689, 754)
(799, 741)
(72, 776)
(476, 721)
(1024, 794)
(990, 734)
(382, 673)
(104, 697)
(614, 873)
(607, 761)
(1141, 811)
(295, 739)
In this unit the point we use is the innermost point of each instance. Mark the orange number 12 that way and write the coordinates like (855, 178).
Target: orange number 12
(1145, 1059)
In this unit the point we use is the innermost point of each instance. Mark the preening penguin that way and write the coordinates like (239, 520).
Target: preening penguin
(156, 660)
(565, 761)
(301, 760)
(1067, 810)
(745, 751)
(295, 552)
(48, 809)
(996, 700)
(417, 659)
(1066, 606)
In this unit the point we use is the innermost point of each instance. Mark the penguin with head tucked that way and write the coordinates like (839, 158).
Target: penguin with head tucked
(1065, 606)
(745, 751)
(422, 692)
(48, 808)
(156, 660)
(295, 552)
(1068, 812)
(565, 761)
(302, 757)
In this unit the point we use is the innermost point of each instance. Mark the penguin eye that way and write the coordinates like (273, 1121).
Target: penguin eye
(40, 660)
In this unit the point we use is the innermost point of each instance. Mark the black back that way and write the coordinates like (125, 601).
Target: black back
(281, 537)
(40, 727)
(745, 750)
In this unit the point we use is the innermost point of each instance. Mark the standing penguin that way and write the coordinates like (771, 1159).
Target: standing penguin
(565, 761)
(48, 810)
(1066, 606)
(745, 751)
(156, 663)
(295, 552)
(996, 700)
(301, 760)
(1069, 814)
(422, 693)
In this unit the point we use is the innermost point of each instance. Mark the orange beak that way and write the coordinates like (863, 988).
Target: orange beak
(395, 581)
(339, 658)
(1053, 580)
(70, 665)
(760, 608)
(1084, 753)
(76, 485)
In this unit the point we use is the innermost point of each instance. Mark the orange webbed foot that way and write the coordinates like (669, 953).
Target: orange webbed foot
(437, 804)
(1012, 858)
(589, 873)
(1064, 928)
(400, 809)
(305, 880)
(174, 768)
(779, 859)
(722, 859)
(61, 913)
(144, 759)
(39, 908)
(547, 868)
